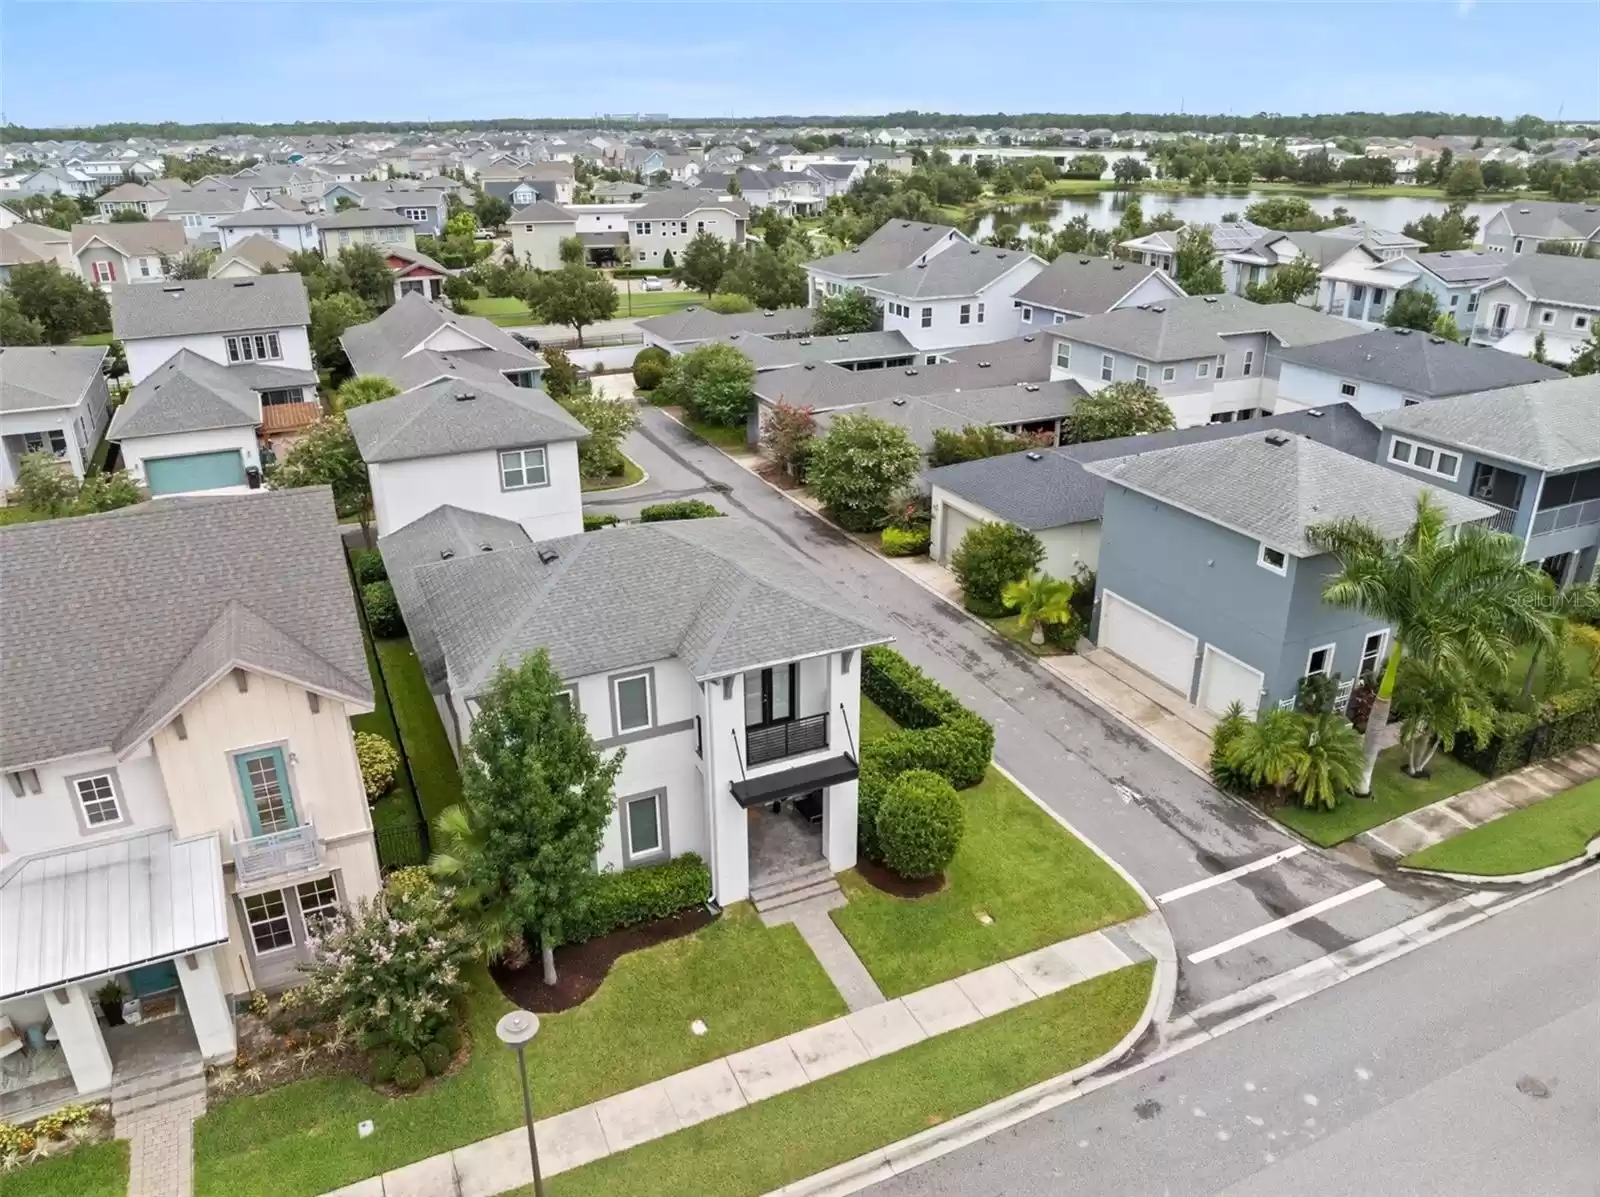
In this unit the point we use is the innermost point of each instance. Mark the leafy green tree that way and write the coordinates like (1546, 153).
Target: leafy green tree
(536, 796)
(973, 442)
(1538, 354)
(858, 467)
(54, 211)
(1120, 409)
(128, 216)
(191, 263)
(1127, 171)
(1039, 601)
(704, 262)
(1036, 180)
(63, 305)
(1437, 702)
(325, 454)
(728, 304)
(462, 224)
(344, 203)
(1288, 213)
(1444, 325)
(574, 295)
(1263, 752)
(1452, 230)
(609, 421)
(330, 316)
(1460, 603)
(1199, 270)
(1587, 360)
(787, 434)
(990, 557)
(1413, 308)
(560, 376)
(1572, 607)
(770, 280)
(1004, 181)
(711, 382)
(460, 292)
(16, 328)
(108, 490)
(364, 272)
(1287, 283)
(1328, 763)
(493, 212)
(572, 251)
(1466, 179)
(44, 486)
(850, 311)
(362, 389)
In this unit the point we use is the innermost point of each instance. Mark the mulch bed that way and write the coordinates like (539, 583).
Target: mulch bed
(581, 967)
(771, 471)
(892, 883)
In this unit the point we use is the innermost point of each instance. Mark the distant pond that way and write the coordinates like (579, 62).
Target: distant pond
(1104, 209)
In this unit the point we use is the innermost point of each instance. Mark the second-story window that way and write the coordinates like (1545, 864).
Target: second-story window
(264, 785)
(966, 313)
(927, 317)
(522, 468)
(769, 695)
(97, 798)
(632, 700)
(254, 347)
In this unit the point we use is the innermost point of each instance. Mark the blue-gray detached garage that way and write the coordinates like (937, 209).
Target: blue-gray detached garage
(1207, 581)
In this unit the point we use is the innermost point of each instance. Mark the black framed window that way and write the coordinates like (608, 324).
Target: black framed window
(771, 695)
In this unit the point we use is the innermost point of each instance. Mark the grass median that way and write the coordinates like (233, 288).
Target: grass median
(1550, 832)
(1393, 794)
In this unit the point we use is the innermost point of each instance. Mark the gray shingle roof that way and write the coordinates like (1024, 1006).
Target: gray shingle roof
(1273, 492)
(190, 393)
(153, 600)
(1417, 363)
(772, 353)
(677, 205)
(894, 246)
(363, 218)
(1057, 489)
(456, 415)
(266, 218)
(1194, 327)
(1548, 425)
(255, 249)
(542, 212)
(217, 305)
(999, 363)
(1555, 278)
(133, 238)
(1556, 221)
(35, 376)
(956, 272)
(716, 594)
(923, 415)
(445, 533)
(702, 324)
(1087, 286)
(389, 344)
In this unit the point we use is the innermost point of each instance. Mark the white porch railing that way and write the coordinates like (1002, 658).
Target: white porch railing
(277, 853)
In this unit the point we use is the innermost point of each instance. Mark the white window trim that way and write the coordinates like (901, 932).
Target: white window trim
(522, 456)
(1027, 315)
(250, 924)
(78, 797)
(980, 312)
(1547, 317)
(965, 314)
(1058, 318)
(1249, 362)
(1261, 559)
(1202, 369)
(630, 855)
(1580, 321)
(649, 701)
(1325, 671)
(1063, 355)
(1355, 389)
(1141, 372)
(927, 317)
(1169, 373)
(1108, 367)
(1411, 463)
(1383, 647)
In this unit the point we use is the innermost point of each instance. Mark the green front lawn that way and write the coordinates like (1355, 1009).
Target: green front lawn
(92, 339)
(504, 305)
(422, 738)
(1575, 657)
(748, 983)
(654, 303)
(97, 1170)
(716, 434)
(19, 515)
(631, 475)
(1393, 794)
(1036, 882)
(1550, 832)
(397, 808)
(765, 1146)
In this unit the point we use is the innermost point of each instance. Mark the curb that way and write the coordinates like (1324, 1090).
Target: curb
(1591, 853)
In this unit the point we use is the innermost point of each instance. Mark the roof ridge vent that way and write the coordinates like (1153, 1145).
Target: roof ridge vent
(548, 556)
(811, 365)
(1083, 261)
(446, 553)
(898, 401)
(1030, 386)
(1028, 338)
(1314, 412)
(844, 338)
(911, 370)
(466, 396)
(1276, 439)
(1402, 332)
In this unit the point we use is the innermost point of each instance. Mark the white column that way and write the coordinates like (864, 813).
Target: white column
(208, 1006)
(723, 741)
(840, 805)
(839, 808)
(72, 1015)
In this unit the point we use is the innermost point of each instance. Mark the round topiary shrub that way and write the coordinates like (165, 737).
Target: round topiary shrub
(920, 822)
(435, 1058)
(991, 556)
(383, 611)
(410, 1073)
(871, 786)
(384, 1061)
(410, 884)
(369, 567)
(649, 367)
(450, 1036)
(380, 764)
(593, 523)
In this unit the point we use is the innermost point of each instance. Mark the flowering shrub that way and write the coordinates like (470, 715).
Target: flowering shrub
(380, 764)
(388, 973)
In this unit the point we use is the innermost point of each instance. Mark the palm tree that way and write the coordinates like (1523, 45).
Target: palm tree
(1038, 600)
(1329, 763)
(1570, 609)
(363, 388)
(1460, 602)
(1266, 751)
(1437, 704)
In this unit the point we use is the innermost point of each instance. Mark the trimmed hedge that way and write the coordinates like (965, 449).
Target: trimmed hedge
(369, 567)
(920, 823)
(410, 1073)
(435, 1058)
(380, 764)
(650, 367)
(619, 900)
(1566, 721)
(678, 509)
(592, 523)
(904, 542)
(383, 610)
(936, 733)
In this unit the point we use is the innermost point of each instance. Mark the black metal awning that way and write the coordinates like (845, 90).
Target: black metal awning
(802, 779)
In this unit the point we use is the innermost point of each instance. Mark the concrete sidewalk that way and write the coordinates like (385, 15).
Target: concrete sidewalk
(1429, 825)
(653, 1111)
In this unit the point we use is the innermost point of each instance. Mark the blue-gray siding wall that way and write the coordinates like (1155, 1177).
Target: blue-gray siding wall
(1204, 579)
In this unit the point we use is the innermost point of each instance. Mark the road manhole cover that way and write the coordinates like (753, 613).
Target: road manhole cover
(1533, 1087)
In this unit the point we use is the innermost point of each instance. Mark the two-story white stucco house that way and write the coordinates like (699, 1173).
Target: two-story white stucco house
(416, 341)
(669, 220)
(483, 445)
(726, 671)
(1071, 288)
(231, 321)
(53, 398)
(893, 247)
(182, 799)
(963, 296)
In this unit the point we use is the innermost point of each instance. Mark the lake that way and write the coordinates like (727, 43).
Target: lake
(1104, 209)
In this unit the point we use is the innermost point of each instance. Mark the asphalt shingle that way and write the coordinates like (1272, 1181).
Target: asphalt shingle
(1548, 425)
(216, 305)
(457, 415)
(1417, 363)
(35, 376)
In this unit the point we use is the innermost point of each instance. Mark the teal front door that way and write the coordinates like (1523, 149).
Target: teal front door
(194, 471)
(153, 978)
(264, 782)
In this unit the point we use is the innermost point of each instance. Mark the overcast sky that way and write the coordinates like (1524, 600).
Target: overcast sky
(68, 63)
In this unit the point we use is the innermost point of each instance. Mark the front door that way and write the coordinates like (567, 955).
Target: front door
(153, 978)
(264, 782)
(1501, 314)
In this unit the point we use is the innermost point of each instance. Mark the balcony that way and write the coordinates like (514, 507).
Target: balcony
(1501, 520)
(779, 740)
(1556, 519)
(278, 853)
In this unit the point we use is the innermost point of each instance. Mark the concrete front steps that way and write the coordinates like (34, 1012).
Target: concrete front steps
(158, 1088)
(773, 894)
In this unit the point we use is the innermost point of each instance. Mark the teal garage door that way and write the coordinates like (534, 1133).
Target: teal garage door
(194, 471)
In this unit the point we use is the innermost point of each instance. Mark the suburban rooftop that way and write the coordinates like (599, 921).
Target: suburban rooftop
(217, 305)
(1548, 425)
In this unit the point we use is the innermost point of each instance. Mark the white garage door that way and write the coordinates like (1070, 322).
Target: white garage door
(955, 525)
(1224, 680)
(1164, 652)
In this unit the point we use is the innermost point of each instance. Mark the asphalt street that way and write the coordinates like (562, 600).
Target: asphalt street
(1470, 1067)
(1168, 827)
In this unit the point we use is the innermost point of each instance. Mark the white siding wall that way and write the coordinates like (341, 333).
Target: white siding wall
(539, 245)
(136, 450)
(1065, 548)
(1300, 387)
(649, 247)
(146, 353)
(290, 236)
(403, 491)
(48, 820)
